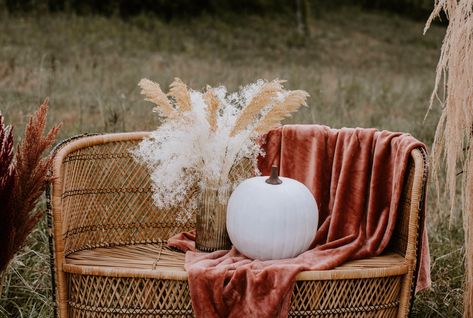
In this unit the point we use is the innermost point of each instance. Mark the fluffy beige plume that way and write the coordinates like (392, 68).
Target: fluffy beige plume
(293, 101)
(212, 108)
(180, 92)
(154, 94)
(262, 99)
(453, 138)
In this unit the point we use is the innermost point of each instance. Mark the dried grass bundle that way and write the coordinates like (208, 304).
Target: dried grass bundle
(154, 94)
(212, 109)
(180, 94)
(453, 138)
(23, 180)
(213, 132)
(290, 104)
(266, 95)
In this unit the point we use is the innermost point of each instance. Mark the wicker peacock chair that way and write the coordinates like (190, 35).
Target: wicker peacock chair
(110, 259)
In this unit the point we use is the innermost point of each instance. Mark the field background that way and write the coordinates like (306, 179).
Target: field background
(366, 68)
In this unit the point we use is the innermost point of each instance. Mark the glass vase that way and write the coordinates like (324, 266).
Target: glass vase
(211, 228)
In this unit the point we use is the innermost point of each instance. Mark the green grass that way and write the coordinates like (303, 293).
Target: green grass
(361, 69)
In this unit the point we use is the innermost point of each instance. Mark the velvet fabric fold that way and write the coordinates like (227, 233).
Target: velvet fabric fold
(356, 177)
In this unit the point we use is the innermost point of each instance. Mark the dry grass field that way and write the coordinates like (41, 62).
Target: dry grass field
(361, 69)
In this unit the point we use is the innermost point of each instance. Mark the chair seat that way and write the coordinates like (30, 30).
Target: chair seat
(158, 261)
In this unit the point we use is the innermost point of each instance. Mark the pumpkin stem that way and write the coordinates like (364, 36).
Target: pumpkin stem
(274, 178)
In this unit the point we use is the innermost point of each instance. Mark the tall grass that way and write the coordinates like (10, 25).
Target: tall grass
(361, 69)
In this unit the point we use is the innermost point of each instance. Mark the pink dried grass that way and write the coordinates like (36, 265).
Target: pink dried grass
(23, 178)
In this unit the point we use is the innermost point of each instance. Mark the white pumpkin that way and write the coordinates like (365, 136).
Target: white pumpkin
(271, 218)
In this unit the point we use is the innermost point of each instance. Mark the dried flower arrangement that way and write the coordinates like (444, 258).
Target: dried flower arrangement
(205, 134)
(23, 178)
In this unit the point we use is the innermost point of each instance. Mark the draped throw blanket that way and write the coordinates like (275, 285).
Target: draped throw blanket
(356, 176)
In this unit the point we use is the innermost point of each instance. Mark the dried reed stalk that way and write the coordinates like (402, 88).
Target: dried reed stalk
(26, 180)
(454, 130)
(293, 101)
(180, 93)
(154, 94)
(265, 96)
(212, 108)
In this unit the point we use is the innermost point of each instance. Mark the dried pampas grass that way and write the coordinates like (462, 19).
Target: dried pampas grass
(212, 133)
(180, 94)
(290, 104)
(212, 108)
(453, 139)
(23, 179)
(266, 95)
(154, 94)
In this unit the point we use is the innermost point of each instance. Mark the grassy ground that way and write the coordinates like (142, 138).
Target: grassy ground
(361, 69)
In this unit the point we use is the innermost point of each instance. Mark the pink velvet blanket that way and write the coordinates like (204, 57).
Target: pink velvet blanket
(356, 176)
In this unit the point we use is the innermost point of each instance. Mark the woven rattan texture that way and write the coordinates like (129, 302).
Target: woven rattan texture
(101, 296)
(107, 201)
(375, 297)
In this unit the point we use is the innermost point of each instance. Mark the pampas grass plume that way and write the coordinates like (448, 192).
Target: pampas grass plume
(266, 95)
(26, 178)
(454, 135)
(212, 108)
(154, 94)
(181, 95)
(291, 103)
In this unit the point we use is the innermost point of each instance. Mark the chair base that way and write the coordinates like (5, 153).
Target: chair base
(149, 280)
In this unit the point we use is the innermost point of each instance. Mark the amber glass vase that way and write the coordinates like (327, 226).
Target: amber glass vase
(211, 228)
